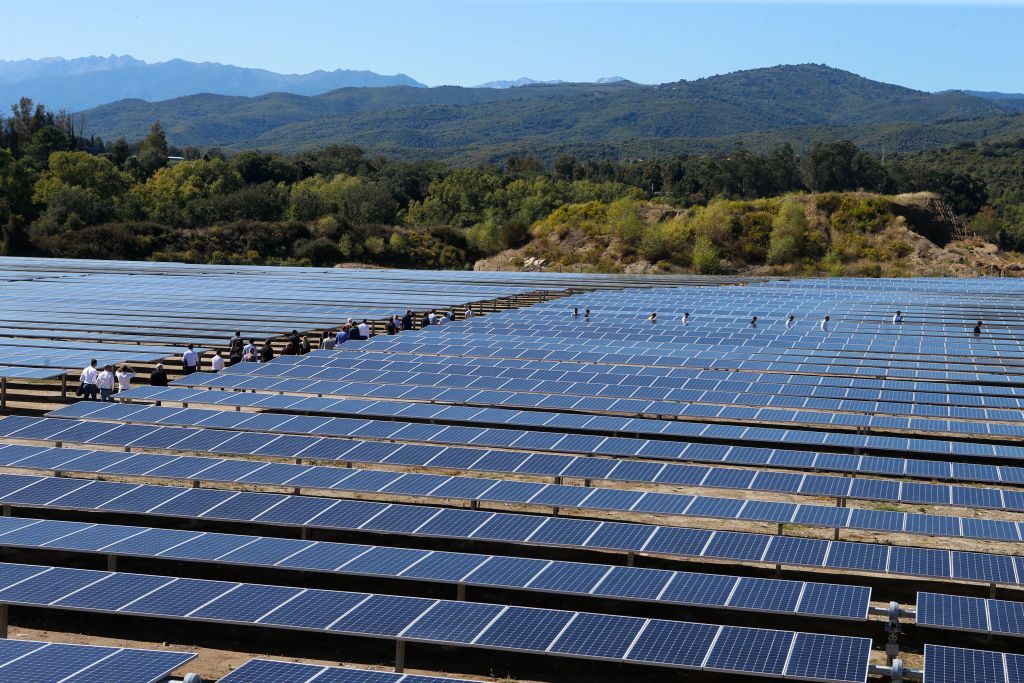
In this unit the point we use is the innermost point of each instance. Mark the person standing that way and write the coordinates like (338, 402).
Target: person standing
(586, 314)
(189, 360)
(342, 336)
(432, 317)
(898, 318)
(824, 324)
(977, 329)
(328, 342)
(391, 327)
(686, 318)
(124, 376)
(469, 312)
(407, 320)
(105, 382)
(235, 346)
(753, 322)
(790, 322)
(364, 329)
(653, 317)
(305, 347)
(250, 354)
(158, 378)
(217, 362)
(267, 352)
(89, 373)
(575, 312)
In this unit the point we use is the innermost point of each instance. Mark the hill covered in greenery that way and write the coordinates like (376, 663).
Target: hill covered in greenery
(760, 108)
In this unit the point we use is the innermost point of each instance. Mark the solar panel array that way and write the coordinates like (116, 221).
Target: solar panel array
(546, 443)
(558, 633)
(262, 670)
(40, 662)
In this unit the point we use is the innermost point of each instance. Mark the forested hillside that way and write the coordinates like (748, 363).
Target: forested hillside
(835, 209)
(762, 108)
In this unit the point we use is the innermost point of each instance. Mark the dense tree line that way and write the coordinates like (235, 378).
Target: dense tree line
(65, 195)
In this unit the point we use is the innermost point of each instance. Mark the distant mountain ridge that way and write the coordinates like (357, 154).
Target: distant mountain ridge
(519, 82)
(77, 84)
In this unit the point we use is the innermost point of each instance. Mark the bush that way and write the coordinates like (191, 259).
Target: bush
(706, 259)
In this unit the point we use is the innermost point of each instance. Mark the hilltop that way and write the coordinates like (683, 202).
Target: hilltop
(759, 108)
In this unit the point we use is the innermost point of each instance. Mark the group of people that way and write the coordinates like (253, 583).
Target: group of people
(100, 384)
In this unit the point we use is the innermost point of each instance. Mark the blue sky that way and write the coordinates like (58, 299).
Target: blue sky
(925, 45)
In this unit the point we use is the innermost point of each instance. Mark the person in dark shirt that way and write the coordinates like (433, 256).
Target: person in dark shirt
(426, 321)
(391, 327)
(294, 339)
(977, 329)
(407, 320)
(304, 347)
(235, 345)
(158, 378)
(753, 322)
(267, 352)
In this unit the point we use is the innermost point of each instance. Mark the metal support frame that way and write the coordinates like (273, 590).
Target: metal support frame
(399, 656)
(4, 619)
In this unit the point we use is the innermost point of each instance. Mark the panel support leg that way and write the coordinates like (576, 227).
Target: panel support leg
(4, 618)
(399, 656)
(835, 534)
(780, 528)
(460, 592)
(6, 510)
(111, 563)
(64, 386)
(304, 533)
(631, 559)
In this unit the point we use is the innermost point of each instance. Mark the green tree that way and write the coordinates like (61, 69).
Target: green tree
(153, 150)
(175, 194)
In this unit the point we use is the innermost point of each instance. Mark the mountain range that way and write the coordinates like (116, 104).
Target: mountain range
(76, 84)
(519, 82)
(759, 108)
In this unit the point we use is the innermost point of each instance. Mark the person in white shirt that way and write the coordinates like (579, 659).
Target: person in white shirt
(790, 322)
(89, 373)
(824, 324)
(432, 317)
(443, 319)
(364, 329)
(251, 352)
(469, 312)
(105, 382)
(124, 377)
(653, 317)
(189, 360)
(898, 318)
(217, 362)
(686, 318)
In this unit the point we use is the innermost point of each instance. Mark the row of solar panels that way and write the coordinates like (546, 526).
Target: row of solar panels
(719, 591)
(9, 372)
(282, 445)
(505, 492)
(944, 664)
(586, 467)
(671, 386)
(467, 390)
(927, 392)
(264, 670)
(571, 352)
(462, 525)
(671, 435)
(39, 662)
(675, 644)
(313, 427)
(749, 343)
(974, 615)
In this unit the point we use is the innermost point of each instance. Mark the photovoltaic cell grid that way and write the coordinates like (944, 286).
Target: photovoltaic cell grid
(833, 601)
(975, 615)
(553, 464)
(943, 664)
(455, 487)
(731, 649)
(423, 521)
(263, 670)
(495, 491)
(40, 662)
